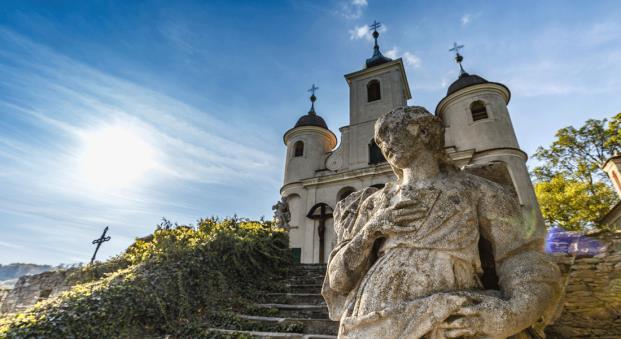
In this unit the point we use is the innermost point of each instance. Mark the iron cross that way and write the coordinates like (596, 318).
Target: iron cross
(313, 89)
(99, 241)
(375, 25)
(456, 48)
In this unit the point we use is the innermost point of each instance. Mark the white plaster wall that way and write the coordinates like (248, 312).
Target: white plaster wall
(316, 146)
(392, 89)
(494, 132)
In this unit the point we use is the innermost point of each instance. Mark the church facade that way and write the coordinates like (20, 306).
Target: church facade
(318, 174)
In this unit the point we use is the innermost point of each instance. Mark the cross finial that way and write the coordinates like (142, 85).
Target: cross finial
(313, 98)
(458, 57)
(374, 26)
(313, 89)
(456, 48)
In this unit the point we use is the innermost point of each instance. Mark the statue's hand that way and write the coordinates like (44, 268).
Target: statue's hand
(385, 219)
(377, 224)
(491, 318)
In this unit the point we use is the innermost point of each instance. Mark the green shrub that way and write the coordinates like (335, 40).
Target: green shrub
(164, 284)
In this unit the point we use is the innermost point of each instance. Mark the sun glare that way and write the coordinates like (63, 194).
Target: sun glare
(114, 158)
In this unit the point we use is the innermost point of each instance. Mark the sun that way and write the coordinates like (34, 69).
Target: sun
(114, 157)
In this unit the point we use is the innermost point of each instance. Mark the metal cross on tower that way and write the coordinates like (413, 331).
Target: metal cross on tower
(99, 241)
(313, 98)
(375, 25)
(458, 57)
(456, 48)
(313, 89)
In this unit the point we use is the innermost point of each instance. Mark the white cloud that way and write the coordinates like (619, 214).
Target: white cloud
(465, 19)
(353, 9)
(360, 32)
(409, 59)
(392, 53)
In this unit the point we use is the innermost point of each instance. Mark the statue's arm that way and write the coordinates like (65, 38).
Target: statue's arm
(528, 280)
(349, 262)
(354, 252)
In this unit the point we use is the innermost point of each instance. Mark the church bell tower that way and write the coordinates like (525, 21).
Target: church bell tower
(378, 88)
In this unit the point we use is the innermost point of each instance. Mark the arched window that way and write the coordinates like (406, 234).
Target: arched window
(298, 149)
(478, 110)
(373, 91)
(344, 193)
(375, 153)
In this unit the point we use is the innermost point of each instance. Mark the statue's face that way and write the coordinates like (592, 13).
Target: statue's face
(399, 138)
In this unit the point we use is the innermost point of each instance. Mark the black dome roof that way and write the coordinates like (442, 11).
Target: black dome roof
(311, 119)
(465, 80)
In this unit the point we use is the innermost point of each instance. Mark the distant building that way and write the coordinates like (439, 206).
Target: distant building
(612, 167)
(318, 175)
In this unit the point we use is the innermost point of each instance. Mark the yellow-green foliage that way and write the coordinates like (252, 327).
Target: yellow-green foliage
(572, 189)
(573, 205)
(164, 285)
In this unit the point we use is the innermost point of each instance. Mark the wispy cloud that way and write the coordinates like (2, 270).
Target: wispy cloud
(60, 100)
(465, 19)
(353, 9)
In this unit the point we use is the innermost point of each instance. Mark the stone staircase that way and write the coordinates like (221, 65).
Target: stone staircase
(300, 308)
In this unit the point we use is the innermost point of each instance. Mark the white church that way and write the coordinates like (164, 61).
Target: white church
(318, 175)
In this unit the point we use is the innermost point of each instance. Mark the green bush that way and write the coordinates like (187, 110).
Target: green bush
(178, 280)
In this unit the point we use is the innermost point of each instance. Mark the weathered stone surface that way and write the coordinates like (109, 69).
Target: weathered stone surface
(438, 253)
(3, 294)
(591, 306)
(32, 288)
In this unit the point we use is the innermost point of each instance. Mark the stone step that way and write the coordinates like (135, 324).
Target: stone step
(304, 288)
(302, 280)
(319, 326)
(298, 311)
(272, 335)
(295, 298)
(310, 267)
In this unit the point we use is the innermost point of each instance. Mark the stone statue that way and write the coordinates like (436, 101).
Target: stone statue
(282, 215)
(408, 260)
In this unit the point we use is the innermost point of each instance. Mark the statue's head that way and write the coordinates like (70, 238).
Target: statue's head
(403, 133)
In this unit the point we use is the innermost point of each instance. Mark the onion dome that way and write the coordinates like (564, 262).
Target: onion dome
(312, 119)
(465, 80)
(378, 58)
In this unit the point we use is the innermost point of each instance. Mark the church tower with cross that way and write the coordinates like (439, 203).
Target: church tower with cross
(318, 175)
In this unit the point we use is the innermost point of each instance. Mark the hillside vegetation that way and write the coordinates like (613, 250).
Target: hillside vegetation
(178, 282)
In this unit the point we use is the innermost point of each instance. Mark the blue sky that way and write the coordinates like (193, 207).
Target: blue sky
(195, 97)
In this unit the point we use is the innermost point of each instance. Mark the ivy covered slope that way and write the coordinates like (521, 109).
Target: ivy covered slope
(179, 282)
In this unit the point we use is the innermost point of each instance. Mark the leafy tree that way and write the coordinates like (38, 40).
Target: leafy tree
(573, 190)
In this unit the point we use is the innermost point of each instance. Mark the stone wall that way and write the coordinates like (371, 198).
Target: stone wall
(3, 294)
(32, 288)
(591, 306)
